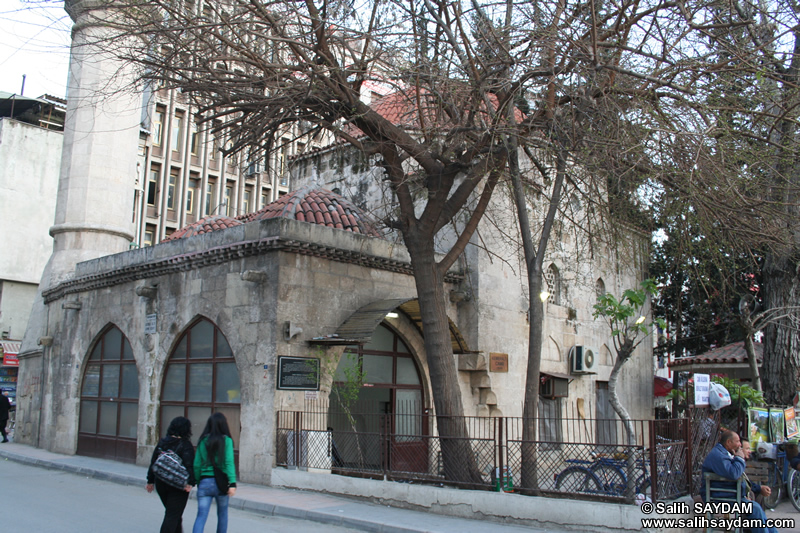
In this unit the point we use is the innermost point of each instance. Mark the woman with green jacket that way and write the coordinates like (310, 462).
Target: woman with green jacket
(215, 448)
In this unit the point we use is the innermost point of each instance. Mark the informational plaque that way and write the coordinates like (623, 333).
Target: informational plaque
(498, 362)
(150, 324)
(298, 373)
(702, 386)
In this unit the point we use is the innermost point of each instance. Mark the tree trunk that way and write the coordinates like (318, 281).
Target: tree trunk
(781, 339)
(613, 399)
(751, 358)
(533, 261)
(458, 459)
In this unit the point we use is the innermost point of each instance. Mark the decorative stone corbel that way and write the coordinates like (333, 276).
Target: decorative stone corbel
(46, 341)
(148, 292)
(255, 276)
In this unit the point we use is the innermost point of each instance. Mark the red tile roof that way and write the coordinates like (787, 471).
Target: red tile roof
(728, 354)
(204, 225)
(406, 108)
(317, 206)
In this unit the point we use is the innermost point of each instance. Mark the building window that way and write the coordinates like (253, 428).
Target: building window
(201, 378)
(173, 179)
(391, 383)
(194, 184)
(177, 132)
(149, 235)
(158, 126)
(264, 200)
(211, 188)
(194, 141)
(109, 413)
(553, 280)
(246, 201)
(599, 288)
(152, 187)
(550, 418)
(283, 157)
(228, 194)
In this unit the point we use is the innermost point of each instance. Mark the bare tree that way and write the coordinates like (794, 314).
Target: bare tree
(618, 89)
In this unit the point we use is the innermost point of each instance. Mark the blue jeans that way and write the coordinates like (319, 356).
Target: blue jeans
(758, 514)
(206, 491)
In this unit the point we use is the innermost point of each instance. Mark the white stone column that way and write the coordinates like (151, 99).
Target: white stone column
(94, 207)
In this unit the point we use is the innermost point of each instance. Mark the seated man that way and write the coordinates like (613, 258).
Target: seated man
(726, 459)
(758, 491)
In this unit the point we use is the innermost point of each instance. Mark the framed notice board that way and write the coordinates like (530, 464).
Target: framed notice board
(298, 373)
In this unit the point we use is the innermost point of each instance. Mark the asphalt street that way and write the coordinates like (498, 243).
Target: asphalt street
(38, 500)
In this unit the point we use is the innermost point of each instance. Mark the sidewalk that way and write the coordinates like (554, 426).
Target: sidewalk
(306, 505)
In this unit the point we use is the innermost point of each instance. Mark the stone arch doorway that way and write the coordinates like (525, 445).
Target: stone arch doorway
(389, 407)
(201, 378)
(109, 400)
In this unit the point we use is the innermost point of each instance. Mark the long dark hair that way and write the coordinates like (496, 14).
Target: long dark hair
(216, 430)
(180, 427)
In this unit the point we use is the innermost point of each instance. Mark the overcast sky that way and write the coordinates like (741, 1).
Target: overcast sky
(34, 40)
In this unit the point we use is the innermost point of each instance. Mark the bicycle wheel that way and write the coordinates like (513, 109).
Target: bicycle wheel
(793, 488)
(612, 479)
(774, 482)
(578, 479)
(643, 485)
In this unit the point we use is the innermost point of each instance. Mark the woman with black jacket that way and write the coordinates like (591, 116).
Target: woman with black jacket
(178, 439)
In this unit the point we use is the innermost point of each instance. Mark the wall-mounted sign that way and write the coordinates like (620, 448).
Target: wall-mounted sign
(298, 373)
(498, 362)
(702, 387)
(150, 324)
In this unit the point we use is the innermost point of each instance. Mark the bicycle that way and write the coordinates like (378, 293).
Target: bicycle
(780, 475)
(602, 475)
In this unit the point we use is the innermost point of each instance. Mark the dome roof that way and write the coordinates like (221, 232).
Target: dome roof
(317, 206)
(204, 225)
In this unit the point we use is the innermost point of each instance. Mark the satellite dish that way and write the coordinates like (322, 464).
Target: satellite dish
(748, 305)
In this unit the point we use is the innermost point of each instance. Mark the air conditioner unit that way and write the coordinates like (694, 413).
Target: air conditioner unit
(582, 359)
(253, 168)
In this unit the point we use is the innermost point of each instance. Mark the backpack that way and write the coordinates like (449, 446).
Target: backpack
(168, 468)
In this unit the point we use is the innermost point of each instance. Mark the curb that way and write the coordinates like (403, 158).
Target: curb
(265, 509)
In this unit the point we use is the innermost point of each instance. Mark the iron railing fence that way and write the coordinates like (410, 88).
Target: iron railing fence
(572, 457)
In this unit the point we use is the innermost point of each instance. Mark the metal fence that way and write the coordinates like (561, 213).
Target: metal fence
(572, 456)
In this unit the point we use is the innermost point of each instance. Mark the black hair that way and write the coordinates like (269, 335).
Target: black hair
(216, 430)
(180, 427)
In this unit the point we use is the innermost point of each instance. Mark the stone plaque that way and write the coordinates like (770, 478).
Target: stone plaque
(498, 362)
(150, 324)
(298, 373)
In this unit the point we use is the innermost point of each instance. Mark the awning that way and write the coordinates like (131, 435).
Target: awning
(9, 350)
(557, 375)
(358, 328)
(661, 386)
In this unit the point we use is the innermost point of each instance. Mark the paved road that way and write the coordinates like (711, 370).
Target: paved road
(38, 500)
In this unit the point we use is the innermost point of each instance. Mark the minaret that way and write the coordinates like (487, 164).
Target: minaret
(98, 163)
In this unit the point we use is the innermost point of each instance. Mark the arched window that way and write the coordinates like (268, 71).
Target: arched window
(599, 288)
(109, 400)
(201, 378)
(390, 385)
(553, 280)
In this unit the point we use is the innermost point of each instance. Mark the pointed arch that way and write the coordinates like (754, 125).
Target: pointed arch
(552, 278)
(599, 288)
(201, 378)
(109, 399)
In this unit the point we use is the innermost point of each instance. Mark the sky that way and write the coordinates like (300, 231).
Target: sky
(34, 41)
